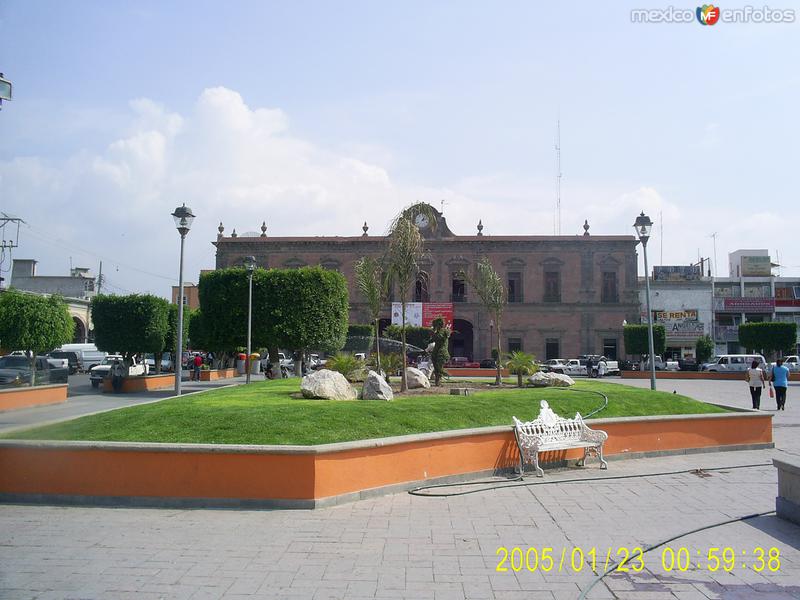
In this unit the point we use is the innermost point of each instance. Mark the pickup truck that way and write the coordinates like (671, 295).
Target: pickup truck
(790, 362)
(101, 371)
(16, 370)
(612, 366)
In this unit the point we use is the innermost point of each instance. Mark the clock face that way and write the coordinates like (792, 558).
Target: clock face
(421, 221)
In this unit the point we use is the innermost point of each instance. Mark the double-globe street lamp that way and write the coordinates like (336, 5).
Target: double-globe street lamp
(643, 225)
(250, 265)
(183, 222)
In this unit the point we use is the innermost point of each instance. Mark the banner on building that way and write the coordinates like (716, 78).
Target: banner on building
(677, 273)
(422, 314)
(746, 305)
(683, 331)
(756, 266)
(688, 314)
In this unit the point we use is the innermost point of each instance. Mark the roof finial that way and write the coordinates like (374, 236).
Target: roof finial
(586, 227)
(234, 234)
(221, 229)
(365, 228)
(263, 229)
(480, 227)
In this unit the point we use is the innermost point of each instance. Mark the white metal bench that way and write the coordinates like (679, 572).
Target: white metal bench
(551, 432)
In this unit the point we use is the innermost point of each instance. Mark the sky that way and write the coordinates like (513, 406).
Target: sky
(317, 116)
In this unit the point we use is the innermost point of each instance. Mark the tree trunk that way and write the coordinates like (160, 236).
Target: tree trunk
(498, 379)
(403, 378)
(519, 378)
(157, 361)
(378, 344)
(298, 363)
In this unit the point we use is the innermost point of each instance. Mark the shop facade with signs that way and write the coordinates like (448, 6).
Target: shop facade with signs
(684, 308)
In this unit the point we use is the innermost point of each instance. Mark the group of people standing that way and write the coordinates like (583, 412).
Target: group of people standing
(777, 380)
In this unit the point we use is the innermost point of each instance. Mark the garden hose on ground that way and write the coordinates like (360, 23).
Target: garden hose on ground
(510, 483)
(521, 475)
(611, 568)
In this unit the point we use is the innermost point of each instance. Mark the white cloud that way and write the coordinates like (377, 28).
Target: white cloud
(233, 163)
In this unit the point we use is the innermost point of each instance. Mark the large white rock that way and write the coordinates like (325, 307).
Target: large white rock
(550, 380)
(376, 388)
(416, 378)
(327, 385)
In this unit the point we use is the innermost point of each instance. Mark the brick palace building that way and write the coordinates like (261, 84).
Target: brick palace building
(567, 295)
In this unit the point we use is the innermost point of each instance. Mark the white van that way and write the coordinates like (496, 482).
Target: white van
(735, 362)
(88, 355)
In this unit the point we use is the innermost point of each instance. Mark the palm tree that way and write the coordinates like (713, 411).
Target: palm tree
(490, 289)
(406, 249)
(521, 363)
(369, 278)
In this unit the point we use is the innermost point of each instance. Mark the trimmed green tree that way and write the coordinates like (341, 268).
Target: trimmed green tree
(770, 337)
(489, 287)
(131, 324)
(703, 349)
(34, 323)
(440, 355)
(635, 337)
(359, 338)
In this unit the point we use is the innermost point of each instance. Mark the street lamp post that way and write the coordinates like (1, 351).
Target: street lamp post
(643, 225)
(250, 265)
(183, 222)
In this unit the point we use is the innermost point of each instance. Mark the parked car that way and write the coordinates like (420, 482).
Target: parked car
(73, 363)
(688, 364)
(735, 363)
(88, 355)
(488, 363)
(461, 362)
(612, 366)
(571, 367)
(16, 370)
(552, 364)
(101, 371)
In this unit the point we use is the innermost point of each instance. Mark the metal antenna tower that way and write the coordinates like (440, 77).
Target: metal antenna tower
(714, 237)
(557, 222)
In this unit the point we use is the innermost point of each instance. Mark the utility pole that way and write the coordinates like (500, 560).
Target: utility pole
(557, 224)
(100, 278)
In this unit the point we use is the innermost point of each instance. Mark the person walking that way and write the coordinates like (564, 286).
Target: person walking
(780, 380)
(198, 362)
(602, 367)
(756, 380)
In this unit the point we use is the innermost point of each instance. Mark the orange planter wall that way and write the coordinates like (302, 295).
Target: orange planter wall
(681, 375)
(214, 374)
(26, 397)
(454, 372)
(312, 473)
(144, 383)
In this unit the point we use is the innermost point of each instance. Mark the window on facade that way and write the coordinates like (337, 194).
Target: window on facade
(421, 290)
(514, 344)
(610, 292)
(610, 348)
(459, 293)
(552, 286)
(515, 287)
(552, 348)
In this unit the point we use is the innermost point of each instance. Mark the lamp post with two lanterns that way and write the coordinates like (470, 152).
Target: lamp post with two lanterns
(250, 265)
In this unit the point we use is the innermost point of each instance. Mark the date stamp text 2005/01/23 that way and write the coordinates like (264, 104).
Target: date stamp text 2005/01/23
(633, 560)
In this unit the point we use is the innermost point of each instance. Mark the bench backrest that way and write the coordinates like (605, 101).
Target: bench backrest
(551, 428)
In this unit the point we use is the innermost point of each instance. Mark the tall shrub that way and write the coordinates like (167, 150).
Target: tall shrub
(131, 324)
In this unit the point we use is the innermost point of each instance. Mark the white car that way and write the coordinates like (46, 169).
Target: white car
(101, 371)
(790, 362)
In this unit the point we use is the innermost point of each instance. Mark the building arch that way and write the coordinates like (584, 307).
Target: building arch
(462, 339)
(79, 335)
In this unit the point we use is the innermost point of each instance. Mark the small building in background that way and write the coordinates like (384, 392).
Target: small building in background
(191, 297)
(77, 289)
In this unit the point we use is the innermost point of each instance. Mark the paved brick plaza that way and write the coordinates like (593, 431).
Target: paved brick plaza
(406, 547)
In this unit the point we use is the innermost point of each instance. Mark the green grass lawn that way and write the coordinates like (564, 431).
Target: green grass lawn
(265, 413)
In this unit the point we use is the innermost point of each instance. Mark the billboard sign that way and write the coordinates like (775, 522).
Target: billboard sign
(677, 273)
(756, 266)
(663, 316)
(422, 314)
(685, 330)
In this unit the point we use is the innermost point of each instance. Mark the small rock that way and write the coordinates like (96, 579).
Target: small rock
(416, 379)
(550, 380)
(327, 385)
(376, 388)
